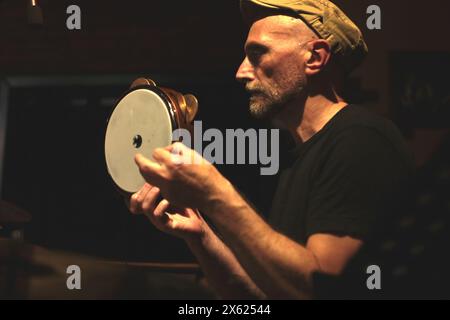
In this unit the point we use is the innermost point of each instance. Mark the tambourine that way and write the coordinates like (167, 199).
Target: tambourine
(143, 119)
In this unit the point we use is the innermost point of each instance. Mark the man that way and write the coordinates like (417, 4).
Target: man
(330, 201)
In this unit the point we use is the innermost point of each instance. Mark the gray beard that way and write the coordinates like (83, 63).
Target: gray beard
(267, 106)
(262, 109)
(262, 112)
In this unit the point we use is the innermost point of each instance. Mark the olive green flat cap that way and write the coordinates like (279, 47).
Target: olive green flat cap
(324, 18)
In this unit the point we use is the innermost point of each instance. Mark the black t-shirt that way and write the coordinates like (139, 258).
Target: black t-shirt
(350, 178)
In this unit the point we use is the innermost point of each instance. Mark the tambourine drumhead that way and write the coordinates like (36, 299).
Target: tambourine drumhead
(140, 122)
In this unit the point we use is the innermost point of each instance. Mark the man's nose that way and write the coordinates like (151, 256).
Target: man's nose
(245, 72)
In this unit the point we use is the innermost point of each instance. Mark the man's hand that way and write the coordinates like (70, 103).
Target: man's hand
(184, 178)
(184, 223)
(223, 271)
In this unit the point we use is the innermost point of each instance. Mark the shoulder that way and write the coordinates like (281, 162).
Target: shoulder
(357, 117)
(359, 130)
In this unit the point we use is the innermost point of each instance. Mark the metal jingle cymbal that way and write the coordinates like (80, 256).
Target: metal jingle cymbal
(191, 106)
(141, 82)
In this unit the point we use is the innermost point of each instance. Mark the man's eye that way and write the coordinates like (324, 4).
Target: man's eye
(255, 56)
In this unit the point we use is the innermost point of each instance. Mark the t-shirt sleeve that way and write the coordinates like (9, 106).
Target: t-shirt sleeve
(354, 184)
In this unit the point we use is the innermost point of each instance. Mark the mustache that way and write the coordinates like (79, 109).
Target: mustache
(254, 89)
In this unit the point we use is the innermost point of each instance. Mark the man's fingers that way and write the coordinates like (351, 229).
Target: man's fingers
(163, 156)
(160, 210)
(151, 171)
(146, 164)
(136, 200)
(148, 203)
(142, 194)
(177, 147)
(158, 217)
(178, 153)
(133, 203)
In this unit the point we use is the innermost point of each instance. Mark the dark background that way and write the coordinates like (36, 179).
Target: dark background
(62, 85)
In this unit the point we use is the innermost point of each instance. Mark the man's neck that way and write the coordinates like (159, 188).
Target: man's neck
(317, 111)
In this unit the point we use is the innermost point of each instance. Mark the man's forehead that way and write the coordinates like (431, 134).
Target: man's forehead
(277, 26)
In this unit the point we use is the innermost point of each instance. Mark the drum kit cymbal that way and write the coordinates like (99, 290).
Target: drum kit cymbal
(142, 120)
(32, 272)
(12, 220)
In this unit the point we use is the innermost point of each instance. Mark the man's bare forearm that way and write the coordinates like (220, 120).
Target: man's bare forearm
(222, 270)
(278, 265)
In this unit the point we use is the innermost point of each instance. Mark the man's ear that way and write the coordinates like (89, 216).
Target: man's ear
(319, 54)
